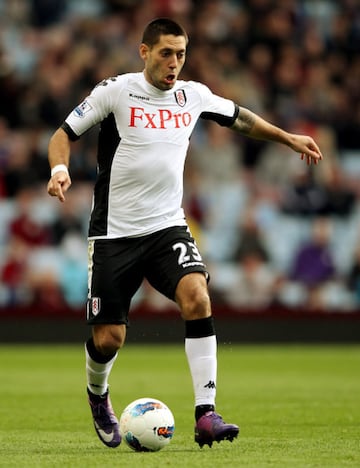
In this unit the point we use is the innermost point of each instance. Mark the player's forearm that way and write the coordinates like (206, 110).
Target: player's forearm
(254, 126)
(59, 149)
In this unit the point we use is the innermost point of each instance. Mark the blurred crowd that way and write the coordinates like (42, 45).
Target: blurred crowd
(273, 231)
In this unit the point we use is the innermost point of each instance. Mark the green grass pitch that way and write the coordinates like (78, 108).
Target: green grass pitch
(297, 406)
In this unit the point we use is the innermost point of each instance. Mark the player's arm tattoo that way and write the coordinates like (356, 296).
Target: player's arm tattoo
(244, 121)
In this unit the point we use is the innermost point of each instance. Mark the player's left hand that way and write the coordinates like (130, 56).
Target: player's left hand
(307, 148)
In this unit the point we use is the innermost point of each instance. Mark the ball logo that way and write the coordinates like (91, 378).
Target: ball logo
(144, 407)
(165, 431)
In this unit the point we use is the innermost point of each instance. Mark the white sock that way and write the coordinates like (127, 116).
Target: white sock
(201, 355)
(97, 374)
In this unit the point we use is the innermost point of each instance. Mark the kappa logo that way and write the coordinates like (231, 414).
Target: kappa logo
(180, 97)
(141, 98)
(210, 384)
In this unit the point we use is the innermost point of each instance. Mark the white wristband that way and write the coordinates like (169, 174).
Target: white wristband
(58, 168)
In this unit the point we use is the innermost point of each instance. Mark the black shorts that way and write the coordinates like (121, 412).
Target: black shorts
(117, 268)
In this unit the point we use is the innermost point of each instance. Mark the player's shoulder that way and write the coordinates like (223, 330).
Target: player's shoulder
(195, 85)
(118, 81)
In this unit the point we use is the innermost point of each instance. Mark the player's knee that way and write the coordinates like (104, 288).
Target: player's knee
(196, 305)
(109, 339)
(192, 297)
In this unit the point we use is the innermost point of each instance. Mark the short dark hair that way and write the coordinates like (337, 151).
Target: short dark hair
(159, 27)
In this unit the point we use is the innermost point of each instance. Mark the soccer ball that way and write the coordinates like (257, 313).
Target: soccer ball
(147, 425)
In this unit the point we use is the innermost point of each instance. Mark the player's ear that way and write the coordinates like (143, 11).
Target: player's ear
(143, 51)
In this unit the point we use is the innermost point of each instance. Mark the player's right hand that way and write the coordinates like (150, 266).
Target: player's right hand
(58, 185)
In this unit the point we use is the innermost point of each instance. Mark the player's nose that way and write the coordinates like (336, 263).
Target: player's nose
(174, 62)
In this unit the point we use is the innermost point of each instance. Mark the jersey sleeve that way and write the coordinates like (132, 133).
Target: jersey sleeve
(93, 109)
(219, 109)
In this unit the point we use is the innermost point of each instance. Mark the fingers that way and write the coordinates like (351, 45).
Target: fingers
(310, 159)
(60, 194)
(312, 156)
(314, 152)
(56, 191)
(308, 149)
(306, 158)
(57, 188)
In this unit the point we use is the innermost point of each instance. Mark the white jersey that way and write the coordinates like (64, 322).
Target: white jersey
(143, 142)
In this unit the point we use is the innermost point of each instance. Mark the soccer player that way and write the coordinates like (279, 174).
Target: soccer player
(137, 226)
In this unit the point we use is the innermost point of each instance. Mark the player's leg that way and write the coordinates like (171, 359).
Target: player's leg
(200, 339)
(176, 269)
(108, 339)
(111, 287)
(201, 351)
(101, 352)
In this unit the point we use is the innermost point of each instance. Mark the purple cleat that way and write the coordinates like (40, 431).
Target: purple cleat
(211, 427)
(105, 422)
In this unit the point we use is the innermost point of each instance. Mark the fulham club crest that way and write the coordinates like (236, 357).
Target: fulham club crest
(93, 307)
(180, 97)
